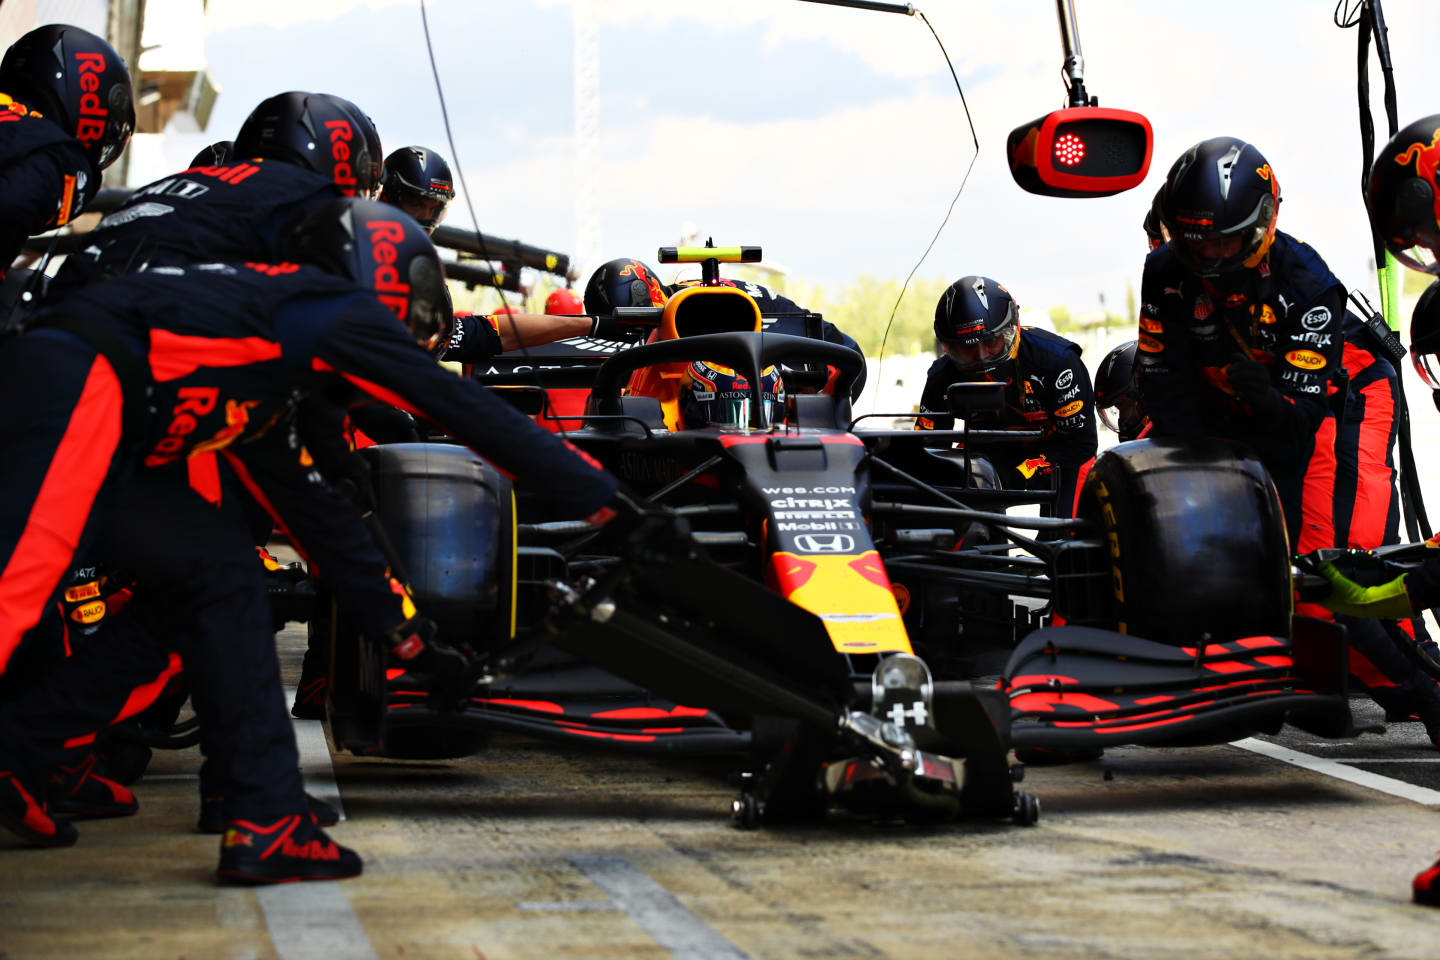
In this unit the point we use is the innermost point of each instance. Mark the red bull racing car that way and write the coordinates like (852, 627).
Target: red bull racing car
(852, 610)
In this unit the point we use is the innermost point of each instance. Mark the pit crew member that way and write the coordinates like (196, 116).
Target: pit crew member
(1048, 389)
(418, 181)
(1240, 325)
(1117, 398)
(241, 210)
(223, 362)
(66, 113)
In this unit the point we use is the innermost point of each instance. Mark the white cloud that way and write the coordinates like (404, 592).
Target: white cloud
(231, 14)
(851, 187)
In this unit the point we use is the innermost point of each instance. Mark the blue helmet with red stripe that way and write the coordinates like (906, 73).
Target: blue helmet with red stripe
(418, 181)
(382, 248)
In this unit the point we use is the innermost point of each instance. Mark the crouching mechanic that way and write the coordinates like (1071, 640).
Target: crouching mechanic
(1047, 388)
(1117, 397)
(222, 363)
(66, 113)
(1239, 323)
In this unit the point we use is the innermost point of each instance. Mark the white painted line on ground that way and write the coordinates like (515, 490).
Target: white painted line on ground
(315, 763)
(313, 921)
(565, 906)
(655, 910)
(1332, 767)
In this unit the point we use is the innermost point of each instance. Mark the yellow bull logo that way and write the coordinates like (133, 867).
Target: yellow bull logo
(850, 593)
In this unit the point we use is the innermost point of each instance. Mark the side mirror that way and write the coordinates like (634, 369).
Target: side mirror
(1081, 152)
(967, 399)
(804, 379)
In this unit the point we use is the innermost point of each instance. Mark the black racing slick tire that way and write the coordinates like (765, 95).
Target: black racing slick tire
(1196, 542)
(451, 517)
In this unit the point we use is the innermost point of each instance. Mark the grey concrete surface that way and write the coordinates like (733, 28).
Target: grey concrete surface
(529, 851)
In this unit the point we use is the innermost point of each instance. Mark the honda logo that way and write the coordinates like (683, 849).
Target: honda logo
(824, 543)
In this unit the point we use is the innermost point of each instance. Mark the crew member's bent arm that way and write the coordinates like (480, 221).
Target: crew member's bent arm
(366, 346)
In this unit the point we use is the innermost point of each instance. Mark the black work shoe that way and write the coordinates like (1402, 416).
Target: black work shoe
(83, 791)
(310, 700)
(22, 812)
(290, 849)
(212, 814)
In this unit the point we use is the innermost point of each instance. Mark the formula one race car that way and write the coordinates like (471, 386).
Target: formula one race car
(830, 601)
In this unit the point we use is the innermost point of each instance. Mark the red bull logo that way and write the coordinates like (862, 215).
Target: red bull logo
(385, 238)
(90, 124)
(652, 285)
(1033, 465)
(343, 172)
(1427, 161)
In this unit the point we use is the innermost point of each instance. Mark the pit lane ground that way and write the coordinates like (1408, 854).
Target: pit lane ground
(527, 851)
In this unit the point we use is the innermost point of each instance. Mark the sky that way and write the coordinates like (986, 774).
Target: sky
(834, 138)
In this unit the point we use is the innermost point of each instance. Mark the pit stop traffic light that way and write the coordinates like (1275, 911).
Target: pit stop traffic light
(1082, 151)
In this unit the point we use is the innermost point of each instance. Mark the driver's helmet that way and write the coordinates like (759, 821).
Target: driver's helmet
(1425, 337)
(1219, 205)
(712, 395)
(978, 325)
(1117, 398)
(625, 282)
(1403, 194)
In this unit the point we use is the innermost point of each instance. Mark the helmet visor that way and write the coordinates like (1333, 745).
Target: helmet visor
(1428, 366)
(1109, 417)
(1123, 416)
(427, 211)
(1209, 252)
(1419, 257)
(984, 353)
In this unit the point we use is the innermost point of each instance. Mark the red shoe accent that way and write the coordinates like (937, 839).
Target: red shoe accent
(26, 817)
(310, 700)
(1426, 886)
(294, 849)
(80, 791)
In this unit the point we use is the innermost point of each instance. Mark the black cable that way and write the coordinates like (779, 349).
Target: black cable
(885, 338)
(1367, 15)
(469, 206)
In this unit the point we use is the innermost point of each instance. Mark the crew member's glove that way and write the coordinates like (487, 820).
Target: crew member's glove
(445, 670)
(638, 524)
(1251, 383)
(1388, 601)
(623, 331)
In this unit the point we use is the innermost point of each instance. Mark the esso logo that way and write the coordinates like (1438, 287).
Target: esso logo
(1316, 319)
